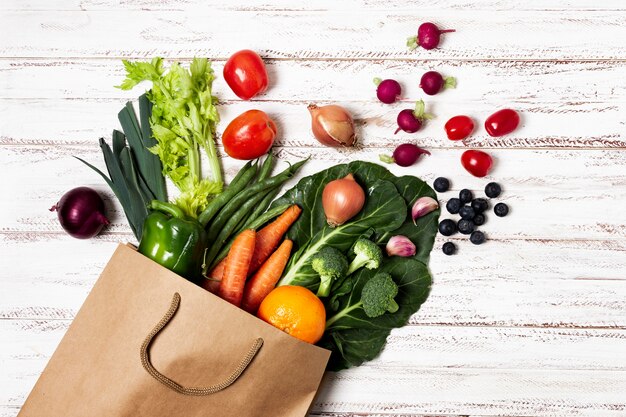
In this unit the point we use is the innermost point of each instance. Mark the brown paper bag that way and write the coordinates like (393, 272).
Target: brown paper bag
(209, 359)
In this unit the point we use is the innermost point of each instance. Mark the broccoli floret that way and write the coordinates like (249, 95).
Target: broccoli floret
(331, 265)
(368, 255)
(378, 295)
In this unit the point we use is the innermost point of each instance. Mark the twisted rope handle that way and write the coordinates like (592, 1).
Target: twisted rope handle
(147, 365)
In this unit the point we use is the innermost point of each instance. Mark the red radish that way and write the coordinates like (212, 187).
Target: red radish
(477, 163)
(388, 91)
(405, 155)
(502, 122)
(428, 36)
(459, 127)
(410, 120)
(432, 82)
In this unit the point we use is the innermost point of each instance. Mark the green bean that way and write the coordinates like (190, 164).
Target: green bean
(228, 228)
(266, 168)
(238, 183)
(237, 201)
(239, 206)
(260, 209)
(256, 224)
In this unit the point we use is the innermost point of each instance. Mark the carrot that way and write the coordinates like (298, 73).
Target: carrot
(263, 282)
(270, 236)
(236, 267)
(212, 283)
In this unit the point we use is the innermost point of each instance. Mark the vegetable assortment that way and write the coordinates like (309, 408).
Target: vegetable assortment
(134, 172)
(339, 259)
(183, 121)
(385, 214)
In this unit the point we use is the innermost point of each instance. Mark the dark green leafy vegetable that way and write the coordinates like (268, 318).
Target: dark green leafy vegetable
(183, 119)
(140, 139)
(355, 338)
(134, 172)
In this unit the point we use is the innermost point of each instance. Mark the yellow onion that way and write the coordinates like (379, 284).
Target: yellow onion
(342, 199)
(332, 125)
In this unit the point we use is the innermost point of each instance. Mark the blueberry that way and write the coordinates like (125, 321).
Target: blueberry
(465, 226)
(477, 237)
(465, 195)
(479, 205)
(479, 219)
(447, 227)
(501, 209)
(449, 248)
(441, 185)
(467, 213)
(493, 189)
(453, 205)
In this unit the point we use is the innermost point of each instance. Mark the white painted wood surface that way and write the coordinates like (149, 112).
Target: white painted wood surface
(531, 324)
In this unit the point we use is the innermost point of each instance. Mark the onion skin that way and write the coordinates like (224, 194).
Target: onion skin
(342, 199)
(332, 125)
(81, 213)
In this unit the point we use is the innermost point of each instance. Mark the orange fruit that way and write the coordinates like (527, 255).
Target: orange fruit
(296, 311)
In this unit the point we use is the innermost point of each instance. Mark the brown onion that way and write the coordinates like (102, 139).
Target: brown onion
(332, 125)
(342, 199)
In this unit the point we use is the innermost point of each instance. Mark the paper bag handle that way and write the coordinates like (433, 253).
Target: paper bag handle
(147, 365)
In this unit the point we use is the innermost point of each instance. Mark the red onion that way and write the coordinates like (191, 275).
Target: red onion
(81, 212)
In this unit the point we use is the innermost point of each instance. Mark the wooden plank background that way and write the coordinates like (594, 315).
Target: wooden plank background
(533, 323)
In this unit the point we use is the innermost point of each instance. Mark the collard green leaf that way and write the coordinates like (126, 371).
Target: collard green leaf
(362, 337)
(383, 211)
(308, 195)
(423, 232)
(354, 337)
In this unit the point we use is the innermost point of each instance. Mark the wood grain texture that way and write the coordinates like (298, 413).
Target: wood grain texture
(533, 323)
(43, 173)
(303, 80)
(554, 125)
(344, 34)
(319, 5)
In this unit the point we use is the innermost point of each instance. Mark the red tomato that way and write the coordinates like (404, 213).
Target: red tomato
(249, 135)
(502, 122)
(459, 127)
(245, 74)
(477, 163)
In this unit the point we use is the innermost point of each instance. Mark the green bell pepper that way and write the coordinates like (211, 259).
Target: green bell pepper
(174, 240)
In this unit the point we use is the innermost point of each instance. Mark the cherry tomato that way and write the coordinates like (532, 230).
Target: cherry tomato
(459, 127)
(245, 74)
(502, 122)
(477, 163)
(249, 135)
